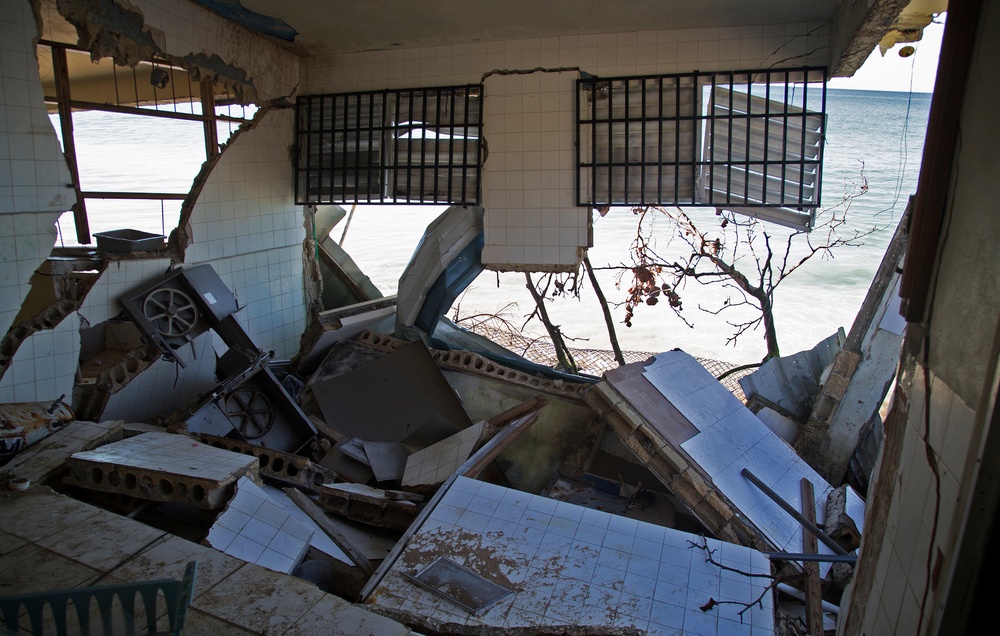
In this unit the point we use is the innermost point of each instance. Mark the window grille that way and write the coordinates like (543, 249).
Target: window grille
(750, 141)
(397, 146)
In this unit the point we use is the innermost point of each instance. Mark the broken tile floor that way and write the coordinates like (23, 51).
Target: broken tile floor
(570, 565)
(49, 541)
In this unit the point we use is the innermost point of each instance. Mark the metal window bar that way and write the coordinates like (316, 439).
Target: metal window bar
(420, 146)
(721, 139)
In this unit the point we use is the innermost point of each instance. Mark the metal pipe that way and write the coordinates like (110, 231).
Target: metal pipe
(811, 527)
(850, 559)
(791, 591)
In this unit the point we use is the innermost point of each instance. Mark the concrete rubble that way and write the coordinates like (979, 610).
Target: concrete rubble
(398, 474)
(644, 522)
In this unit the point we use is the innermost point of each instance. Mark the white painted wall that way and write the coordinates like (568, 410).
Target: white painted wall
(529, 179)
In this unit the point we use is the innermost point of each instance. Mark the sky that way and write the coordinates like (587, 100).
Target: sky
(894, 73)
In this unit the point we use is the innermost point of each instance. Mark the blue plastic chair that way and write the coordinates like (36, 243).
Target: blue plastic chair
(177, 595)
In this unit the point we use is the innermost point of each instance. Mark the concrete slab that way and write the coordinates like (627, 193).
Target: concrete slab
(167, 560)
(9, 543)
(198, 623)
(257, 529)
(577, 566)
(161, 467)
(333, 616)
(31, 568)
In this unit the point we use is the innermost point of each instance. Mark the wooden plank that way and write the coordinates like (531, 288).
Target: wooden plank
(326, 431)
(814, 593)
(482, 458)
(517, 411)
(629, 382)
(316, 514)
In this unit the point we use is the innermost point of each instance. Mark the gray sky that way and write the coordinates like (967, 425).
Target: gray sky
(893, 73)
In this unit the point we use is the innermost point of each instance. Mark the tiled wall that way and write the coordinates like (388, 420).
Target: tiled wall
(33, 173)
(901, 571)
(164, 387)
(245, 223)
(247, 226)
(531, 220)
(33, 192)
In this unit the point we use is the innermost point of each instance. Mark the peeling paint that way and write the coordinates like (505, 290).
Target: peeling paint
(107, 29)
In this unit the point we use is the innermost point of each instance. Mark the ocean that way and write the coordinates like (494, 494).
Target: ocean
(872, 136)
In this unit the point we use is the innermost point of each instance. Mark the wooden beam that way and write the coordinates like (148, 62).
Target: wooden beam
(327, 431)
(482, 458)
(316, 514)
(814, 592)
(520, 410)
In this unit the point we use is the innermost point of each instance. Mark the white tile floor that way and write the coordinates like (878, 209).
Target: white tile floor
(47, 456)
(174, 454)
(732, 439)
(258, 529)
(569, 564)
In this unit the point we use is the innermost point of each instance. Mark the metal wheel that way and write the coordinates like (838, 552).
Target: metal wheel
(251, 411)
(171, 311)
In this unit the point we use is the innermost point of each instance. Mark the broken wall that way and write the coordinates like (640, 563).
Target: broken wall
(244, 222)
(33, 193)
(529, 177)
(247, 226)
(931, 504)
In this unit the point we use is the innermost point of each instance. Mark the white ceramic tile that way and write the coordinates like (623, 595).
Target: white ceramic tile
(256, 528)
(561, 580)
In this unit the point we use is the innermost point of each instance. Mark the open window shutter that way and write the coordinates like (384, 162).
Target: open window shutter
(761, 153)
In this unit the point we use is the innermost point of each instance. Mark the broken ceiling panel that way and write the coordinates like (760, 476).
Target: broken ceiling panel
(436, 463)
(789, 384)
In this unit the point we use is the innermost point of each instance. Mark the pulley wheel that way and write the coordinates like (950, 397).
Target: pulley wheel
(171, 311)
(251, 412)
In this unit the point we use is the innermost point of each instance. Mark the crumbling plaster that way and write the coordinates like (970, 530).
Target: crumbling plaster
(240, 216)
(255, 69)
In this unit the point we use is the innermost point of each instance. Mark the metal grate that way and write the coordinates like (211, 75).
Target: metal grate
(744, 138)
(413, 146)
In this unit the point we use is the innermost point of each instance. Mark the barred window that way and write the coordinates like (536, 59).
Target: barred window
(395, 146)
(749, 141)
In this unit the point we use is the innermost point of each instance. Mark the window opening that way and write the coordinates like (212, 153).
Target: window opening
(134, 138)
(416, 146)
(749, 141)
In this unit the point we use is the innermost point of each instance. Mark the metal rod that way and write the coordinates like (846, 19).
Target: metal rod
(812, 527)
(153, 196)
(850, 559)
